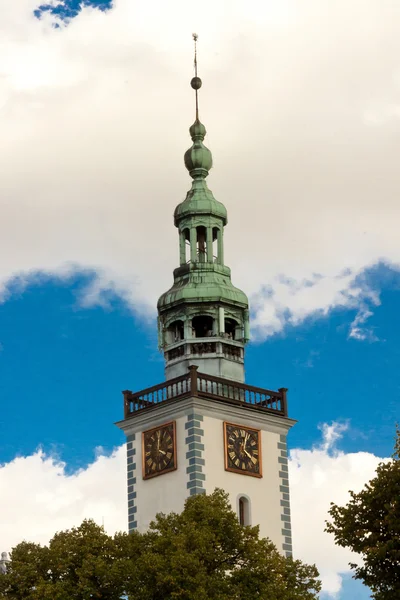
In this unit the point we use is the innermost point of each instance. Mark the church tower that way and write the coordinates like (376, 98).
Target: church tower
(204, 427)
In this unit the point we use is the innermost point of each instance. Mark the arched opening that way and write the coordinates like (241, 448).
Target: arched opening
(201, 244)
(202, 326)
(184, 246)
(230, 328)
(175, 332)
(244, 510)
(186, 237)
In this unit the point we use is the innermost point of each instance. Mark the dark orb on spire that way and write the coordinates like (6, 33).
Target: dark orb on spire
(196, 83)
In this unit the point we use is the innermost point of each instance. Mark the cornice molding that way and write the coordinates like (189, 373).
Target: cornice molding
(209, 408)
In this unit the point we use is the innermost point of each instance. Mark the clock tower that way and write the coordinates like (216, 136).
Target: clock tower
(204, 427)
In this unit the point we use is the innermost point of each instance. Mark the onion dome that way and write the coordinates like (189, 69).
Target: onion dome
(199, 200)
(198, 159)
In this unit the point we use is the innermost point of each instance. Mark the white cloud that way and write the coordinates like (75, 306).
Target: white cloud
(39, 498)
(318, 477)
(301, 105)
(357, 329)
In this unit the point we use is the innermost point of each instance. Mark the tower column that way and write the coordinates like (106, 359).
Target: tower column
(221, 319)
(193, 244)
(210, 257)
(220, 243)
(187, 324)
(246, 325)
(182, 248)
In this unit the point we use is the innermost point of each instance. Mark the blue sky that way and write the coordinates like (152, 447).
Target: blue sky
(60, 360)
(94, 122)
(63, 366)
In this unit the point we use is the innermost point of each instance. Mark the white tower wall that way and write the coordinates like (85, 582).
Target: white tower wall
(201, 466)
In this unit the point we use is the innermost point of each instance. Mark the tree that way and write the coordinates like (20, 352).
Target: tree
(78, 564)
(370, 526)
(202, 553)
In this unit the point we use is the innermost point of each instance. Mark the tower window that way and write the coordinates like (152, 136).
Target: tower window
(215, 233)
(201, 244)
(186, 237)
(244, 510)
(175, 332)
(230, 328)
(202, 326)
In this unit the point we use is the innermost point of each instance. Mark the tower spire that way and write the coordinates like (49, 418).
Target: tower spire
(196, 82)
(203, 318)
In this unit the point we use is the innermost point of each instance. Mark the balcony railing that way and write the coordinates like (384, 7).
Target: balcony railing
(195, 384)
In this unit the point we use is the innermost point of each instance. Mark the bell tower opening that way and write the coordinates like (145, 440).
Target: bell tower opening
(175, 332)
(186, 246)
(231, 328)
(215, 234)
(201, 244)
(202, 326)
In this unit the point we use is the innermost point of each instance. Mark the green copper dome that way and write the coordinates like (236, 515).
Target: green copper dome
(197, 131)
(199, 199)
(198, 159)
(203, 286)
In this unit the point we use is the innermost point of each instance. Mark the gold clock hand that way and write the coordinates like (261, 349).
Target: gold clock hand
(158, 441)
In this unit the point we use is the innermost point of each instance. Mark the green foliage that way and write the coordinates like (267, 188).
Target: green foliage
(201, 554)
(78, 564)
(370, 526)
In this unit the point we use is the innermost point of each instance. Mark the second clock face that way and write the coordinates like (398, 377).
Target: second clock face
(159, 450)
(242, 449)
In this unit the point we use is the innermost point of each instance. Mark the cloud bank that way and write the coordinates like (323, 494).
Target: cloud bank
(39, 498)
(302, 106)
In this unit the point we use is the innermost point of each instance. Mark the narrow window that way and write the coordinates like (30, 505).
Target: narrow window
(241, 511)
(215, 244)
(244, 510)
(186, 234)
(201, 244)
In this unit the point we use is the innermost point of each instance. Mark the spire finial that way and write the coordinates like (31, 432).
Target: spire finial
(196, 81)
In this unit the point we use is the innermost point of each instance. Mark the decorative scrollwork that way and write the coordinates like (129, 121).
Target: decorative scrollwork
(176, 352)
(203, 348)
(231, 351)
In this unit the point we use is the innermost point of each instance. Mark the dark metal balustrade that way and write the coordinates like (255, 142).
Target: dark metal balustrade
(195, 384)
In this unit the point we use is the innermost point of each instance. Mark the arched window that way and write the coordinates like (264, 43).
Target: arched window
(215, 234)
(184, 246)
(201, 244)
(230, 328)
(244, 510)
(175, 332)
(202, 326)
(186, 237)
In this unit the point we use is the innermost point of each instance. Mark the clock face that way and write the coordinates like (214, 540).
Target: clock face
(159, 450)
(242, 450)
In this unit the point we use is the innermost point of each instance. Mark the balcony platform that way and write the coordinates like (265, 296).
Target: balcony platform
(201, 385)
